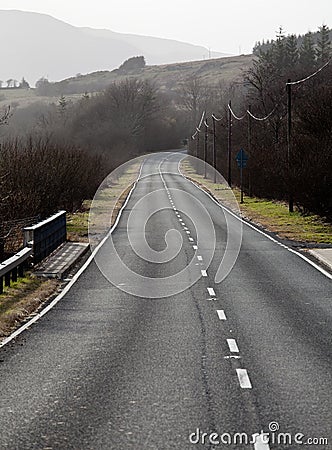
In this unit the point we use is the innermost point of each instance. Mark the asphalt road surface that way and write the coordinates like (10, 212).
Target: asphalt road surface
(106, 369)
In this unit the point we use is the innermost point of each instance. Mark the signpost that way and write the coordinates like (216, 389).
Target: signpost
(241, 159)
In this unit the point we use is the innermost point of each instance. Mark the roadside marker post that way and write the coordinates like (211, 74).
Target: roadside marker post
(241, 159)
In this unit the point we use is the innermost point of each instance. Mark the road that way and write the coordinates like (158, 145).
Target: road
(106, 369)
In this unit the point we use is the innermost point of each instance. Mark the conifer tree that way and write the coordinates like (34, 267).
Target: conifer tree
(279, 50)
(323, 50)
(292, 53)
(307, 51)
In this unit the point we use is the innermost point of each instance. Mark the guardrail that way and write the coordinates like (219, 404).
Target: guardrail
(46, 236)
(14, 267)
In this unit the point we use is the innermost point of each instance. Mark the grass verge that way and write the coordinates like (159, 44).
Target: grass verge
(21, 299)
(77, 223)
(269, 214)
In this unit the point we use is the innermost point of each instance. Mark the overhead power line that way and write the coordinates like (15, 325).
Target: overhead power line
(261, 118)
(216, 118)
(291, 83)
(234, 115)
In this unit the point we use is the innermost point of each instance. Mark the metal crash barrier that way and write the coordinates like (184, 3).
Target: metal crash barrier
(46, 236)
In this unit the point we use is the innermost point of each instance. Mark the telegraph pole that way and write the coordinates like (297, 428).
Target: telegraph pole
(205, 145)
(229, 145)
(249, 147)
(289, 146)
(214, 156)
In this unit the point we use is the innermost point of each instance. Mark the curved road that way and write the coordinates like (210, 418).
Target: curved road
(105, 369)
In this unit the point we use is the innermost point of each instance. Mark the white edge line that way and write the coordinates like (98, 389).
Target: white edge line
(316, 266)
(76, 276)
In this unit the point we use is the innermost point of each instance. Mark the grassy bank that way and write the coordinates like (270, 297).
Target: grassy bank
(269, 214)
(21, 299)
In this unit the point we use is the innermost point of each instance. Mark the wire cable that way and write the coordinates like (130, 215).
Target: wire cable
(200, 123)
(291, 83)
(261, 118)
(216, 118)
(234, 115)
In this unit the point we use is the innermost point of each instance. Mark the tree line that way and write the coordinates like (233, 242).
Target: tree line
(55, 156)
(271, 171)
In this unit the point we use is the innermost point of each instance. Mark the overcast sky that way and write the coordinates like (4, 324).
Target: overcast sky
(226, 26)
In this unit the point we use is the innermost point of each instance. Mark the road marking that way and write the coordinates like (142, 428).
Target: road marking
(260, 441)
(244, 379)
(204, 273)
(221, 314)
(188, 232)
(185, 228)
(233, 346)
(199, 257)
(211, 292)
(195, 247)
(191, 239)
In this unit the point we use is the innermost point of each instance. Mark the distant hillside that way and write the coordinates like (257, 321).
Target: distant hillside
(36, 45)
(166, 77)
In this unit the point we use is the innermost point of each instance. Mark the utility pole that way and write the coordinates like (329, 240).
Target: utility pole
(214, 156)
(205, 145)
(249, 148)
(229, 145)
(289, 146)
(197, 145)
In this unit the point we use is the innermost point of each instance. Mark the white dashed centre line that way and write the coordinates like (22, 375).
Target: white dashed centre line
(195, 247)
(188, 232)
(260, 442)
(233, 345)
(221, 314)
(211, 292)
(199, 258)
(243, 377)
(191, 239)
(204, 273)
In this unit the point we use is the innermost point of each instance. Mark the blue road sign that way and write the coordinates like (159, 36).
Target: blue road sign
(241, 159)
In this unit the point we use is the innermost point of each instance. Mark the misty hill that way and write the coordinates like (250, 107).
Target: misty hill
(36, 45)
(166, 77)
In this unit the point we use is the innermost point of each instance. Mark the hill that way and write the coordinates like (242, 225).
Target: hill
(166, 77)
(36, 45)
